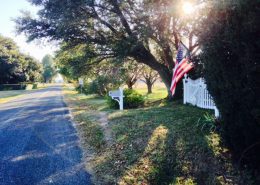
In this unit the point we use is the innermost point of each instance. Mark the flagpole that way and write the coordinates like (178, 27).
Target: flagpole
(189, 54)
(184, 45)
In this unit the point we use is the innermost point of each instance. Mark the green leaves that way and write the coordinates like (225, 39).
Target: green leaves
(230, 55)
(146, 31)
(48, 68)
(16, 67)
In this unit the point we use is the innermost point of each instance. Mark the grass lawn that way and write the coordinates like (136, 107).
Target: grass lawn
(6, 96)
(159, 93)
(166, 143)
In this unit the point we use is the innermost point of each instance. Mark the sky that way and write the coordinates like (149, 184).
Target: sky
(10, 9)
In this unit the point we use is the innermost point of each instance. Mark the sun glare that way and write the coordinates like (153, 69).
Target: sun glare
(187, 8)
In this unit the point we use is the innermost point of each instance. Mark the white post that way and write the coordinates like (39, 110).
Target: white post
(216, 112)
(184, 89)
(121, 99)
(81, 83)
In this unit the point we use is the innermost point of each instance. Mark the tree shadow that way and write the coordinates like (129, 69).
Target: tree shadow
(161, 145)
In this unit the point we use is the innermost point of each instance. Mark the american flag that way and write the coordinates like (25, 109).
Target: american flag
(182, 66)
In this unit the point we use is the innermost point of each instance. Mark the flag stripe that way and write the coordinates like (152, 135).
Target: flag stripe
(182, 66)
(179, 74)
(183, 72)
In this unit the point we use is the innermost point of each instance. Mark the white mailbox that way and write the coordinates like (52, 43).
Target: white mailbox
(118, 95)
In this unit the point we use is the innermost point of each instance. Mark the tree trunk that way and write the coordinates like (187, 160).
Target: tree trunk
(142, 55)
(149, 87)
(129, 85)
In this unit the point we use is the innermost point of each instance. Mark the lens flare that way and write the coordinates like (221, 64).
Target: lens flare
(187, 8)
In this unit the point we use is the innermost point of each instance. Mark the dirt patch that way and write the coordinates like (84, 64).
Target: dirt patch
(103, 120)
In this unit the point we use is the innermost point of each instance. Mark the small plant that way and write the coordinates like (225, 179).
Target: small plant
(207, 121)
(132, 99)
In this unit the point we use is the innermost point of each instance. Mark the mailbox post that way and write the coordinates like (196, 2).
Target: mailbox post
(118, 96)
(121, 99)
(81, 83)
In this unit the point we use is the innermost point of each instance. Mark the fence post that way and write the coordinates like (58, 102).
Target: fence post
(121, 97)
(216, 112)
(185, 89)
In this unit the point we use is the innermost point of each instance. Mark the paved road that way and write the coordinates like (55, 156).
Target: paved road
(38, 143)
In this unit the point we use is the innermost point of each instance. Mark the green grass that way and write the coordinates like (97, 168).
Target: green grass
(158, 93)
(6, 96)
(84, 109)
(169, 143)
(160, 145)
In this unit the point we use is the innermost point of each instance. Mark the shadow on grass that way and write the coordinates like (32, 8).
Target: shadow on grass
(163, 145)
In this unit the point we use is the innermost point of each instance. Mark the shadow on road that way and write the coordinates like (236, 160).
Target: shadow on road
(38, 144)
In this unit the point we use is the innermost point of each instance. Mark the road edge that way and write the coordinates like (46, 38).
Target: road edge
(87, 154)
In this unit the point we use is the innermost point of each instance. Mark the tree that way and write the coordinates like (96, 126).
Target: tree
(146, 31)
(104, 76)
(149, 77)
(47, 61)
(33, 70)
(132, 73)
(48, 68)
(230, 55)
(16, 67)
(11, 67)
(71, 61)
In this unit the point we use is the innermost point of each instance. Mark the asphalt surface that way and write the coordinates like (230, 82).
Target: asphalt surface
(38, 143)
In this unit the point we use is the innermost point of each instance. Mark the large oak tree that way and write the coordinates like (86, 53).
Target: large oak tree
(147, 31)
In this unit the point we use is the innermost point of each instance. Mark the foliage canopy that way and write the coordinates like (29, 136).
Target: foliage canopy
(147, 31)
(16, 67)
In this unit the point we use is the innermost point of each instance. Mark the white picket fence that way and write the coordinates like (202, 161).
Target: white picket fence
(196, 93)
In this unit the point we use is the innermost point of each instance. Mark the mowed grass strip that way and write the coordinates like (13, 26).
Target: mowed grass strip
(84, 109)
(166, 143)
(6, 96)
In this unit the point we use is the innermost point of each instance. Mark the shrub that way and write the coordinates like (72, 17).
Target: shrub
(101, 85)
(231, 59)
(35, 86)
(132, 99)
(7, 87)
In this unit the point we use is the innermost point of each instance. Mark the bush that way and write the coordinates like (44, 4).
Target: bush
(132, 99)
(91, 88)
(101, 85)
(35, 86)
(8, 87)
(231, 59)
